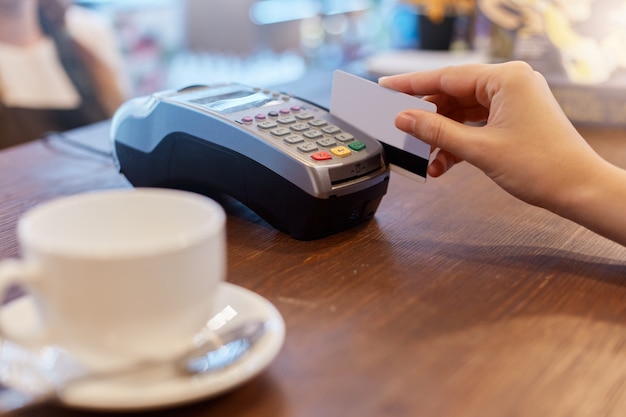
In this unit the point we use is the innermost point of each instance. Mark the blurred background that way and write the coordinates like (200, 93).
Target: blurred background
(579, 45)
(167, 43)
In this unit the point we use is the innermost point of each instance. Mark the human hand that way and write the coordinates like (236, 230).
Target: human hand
(526, 144)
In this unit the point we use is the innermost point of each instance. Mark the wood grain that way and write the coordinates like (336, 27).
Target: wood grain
(456, 300)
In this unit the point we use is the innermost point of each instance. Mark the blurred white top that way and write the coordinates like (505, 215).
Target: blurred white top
(33, 77)
(410, 60)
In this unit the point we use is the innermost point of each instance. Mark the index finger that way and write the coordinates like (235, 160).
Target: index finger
(473, 80)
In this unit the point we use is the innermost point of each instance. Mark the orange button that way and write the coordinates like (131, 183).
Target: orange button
(321, 156)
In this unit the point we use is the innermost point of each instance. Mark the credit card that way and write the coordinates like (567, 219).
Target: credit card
(371, 108)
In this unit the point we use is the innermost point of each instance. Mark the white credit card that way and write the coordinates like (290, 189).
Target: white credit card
(371, 108)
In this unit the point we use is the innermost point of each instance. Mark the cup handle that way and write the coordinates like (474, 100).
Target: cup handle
(13, 271)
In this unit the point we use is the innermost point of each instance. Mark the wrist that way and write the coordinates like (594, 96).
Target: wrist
(598, 202)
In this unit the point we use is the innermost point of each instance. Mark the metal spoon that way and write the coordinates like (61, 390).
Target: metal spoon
(32, 383)
(231, 346)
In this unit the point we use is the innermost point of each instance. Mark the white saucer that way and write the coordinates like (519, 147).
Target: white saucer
(234, 305)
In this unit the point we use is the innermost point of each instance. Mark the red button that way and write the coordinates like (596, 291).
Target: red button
(321, 156)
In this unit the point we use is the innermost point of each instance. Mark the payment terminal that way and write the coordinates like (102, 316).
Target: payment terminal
(298, 167)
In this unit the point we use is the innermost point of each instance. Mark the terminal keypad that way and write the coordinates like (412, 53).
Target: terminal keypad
(304, 133)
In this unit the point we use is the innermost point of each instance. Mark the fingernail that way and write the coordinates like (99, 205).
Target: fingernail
(405, 122)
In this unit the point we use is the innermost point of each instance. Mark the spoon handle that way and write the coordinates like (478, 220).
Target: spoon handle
(210, 357)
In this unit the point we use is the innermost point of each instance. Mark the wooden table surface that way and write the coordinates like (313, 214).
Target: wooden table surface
(455, 300)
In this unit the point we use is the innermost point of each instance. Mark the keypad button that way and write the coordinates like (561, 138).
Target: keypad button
(273, 114)
(331, 130)
(286, 120)
(294, 139)
(280, 131)
(357, 146)
(341, 151)
(313, 134)
(344, 137)
(299, 127)
(307, 147)
(304, 116)
(318, 123)
(321, 156)
(267, 125)
(326, 142)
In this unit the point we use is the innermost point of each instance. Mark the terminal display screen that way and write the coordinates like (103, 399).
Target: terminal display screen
(235, 98)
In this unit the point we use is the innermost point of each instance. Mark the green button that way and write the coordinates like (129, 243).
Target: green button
(357, 146)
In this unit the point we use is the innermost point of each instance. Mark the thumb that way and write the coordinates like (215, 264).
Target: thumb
(435, 129)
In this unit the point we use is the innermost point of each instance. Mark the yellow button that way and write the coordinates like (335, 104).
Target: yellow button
(341, 151)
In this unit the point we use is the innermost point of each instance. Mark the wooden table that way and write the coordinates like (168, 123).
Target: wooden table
(456, 300)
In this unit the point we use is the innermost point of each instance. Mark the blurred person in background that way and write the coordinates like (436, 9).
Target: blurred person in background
(60, 68)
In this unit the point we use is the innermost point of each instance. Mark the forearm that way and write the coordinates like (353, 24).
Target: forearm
(599, 204)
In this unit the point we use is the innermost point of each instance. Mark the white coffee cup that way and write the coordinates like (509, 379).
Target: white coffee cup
(121, 276)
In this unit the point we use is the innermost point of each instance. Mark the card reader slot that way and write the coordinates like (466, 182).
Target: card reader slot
(350, 172)
(338, 183)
